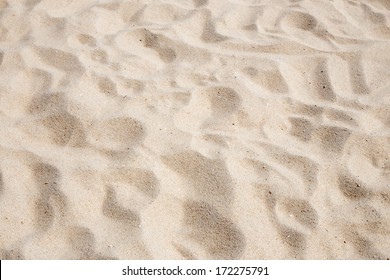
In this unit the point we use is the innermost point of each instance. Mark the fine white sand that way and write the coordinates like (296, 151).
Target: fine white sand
(195, 129)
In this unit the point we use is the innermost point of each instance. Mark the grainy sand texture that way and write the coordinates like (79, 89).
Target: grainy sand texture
(195, 129)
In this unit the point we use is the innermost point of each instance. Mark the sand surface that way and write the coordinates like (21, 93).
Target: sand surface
(195, 129)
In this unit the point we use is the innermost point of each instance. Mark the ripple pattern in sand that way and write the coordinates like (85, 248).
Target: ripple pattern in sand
(199, 129)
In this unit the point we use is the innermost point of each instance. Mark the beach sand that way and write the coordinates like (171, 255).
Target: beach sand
(195, 129)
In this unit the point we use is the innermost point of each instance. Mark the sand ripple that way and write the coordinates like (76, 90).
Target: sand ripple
(195, 129)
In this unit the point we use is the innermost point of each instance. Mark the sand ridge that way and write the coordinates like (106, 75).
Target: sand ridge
(194, 129)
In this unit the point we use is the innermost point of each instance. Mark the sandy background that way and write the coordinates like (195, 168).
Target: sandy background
(204, 129)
